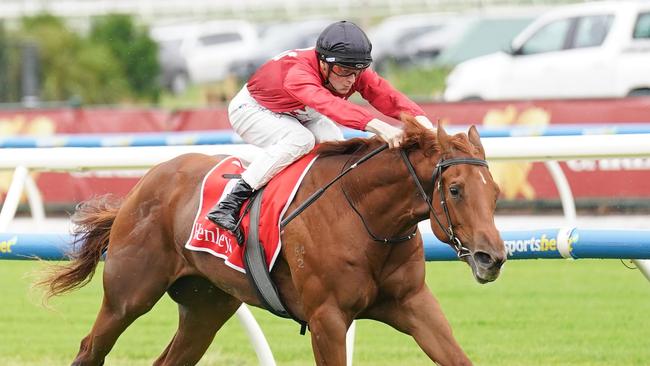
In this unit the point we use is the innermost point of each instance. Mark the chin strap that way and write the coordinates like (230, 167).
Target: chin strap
(327, 76)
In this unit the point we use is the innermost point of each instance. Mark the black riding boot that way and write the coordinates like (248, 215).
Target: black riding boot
(226, 213)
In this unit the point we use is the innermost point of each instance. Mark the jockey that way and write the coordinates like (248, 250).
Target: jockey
(293, 101)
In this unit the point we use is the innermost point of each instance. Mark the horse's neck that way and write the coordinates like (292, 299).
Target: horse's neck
(385, 192)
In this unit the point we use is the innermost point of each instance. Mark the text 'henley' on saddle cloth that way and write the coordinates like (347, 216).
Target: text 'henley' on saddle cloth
(279, 192)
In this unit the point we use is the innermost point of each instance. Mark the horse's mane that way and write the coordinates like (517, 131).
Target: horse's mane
(416, 137)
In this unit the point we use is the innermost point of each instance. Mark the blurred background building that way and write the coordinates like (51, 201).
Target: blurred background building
(154, 10)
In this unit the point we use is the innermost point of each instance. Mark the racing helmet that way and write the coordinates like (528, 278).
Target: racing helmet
(345, 44)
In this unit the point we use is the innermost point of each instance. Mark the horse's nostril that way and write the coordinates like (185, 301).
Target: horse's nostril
(498, 262)
(483, 259)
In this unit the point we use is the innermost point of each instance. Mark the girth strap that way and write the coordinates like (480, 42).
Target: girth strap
(257, 268)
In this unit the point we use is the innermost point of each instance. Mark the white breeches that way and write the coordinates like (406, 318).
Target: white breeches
(282, 137)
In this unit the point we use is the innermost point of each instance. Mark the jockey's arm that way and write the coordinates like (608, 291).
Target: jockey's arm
(307, 88)
(388, 100)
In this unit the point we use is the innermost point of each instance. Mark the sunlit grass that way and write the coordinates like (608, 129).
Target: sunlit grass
(587, 312)
(421, 83)
(198, 96)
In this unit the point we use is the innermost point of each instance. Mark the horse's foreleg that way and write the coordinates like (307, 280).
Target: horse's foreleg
(420, 316)
(328, 328)
(203, 309)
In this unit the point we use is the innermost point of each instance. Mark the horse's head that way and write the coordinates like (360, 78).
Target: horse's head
(464, 200)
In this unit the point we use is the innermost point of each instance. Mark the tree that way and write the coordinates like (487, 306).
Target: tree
(133, 49)
(72, 66)
(4, 66)
(10, 67)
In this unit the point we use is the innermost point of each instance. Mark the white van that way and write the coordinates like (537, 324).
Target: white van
(203, 52)
(587, 50)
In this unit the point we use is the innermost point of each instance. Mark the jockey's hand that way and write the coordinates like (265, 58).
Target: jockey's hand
(424, 121)
(389, 133)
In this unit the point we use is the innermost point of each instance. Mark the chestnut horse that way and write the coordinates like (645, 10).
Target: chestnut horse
(330, 270)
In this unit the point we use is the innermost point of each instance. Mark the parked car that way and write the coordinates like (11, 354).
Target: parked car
(390, 36)
(173, 69)
(425, 48)
(486, 34)
(203, 52)
(586, 50)
(277, 38)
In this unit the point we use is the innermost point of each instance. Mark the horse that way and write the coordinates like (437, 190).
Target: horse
(333, 267)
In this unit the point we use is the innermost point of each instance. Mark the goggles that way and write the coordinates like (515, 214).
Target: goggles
(343, 71)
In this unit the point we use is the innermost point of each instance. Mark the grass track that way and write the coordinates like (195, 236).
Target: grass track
(587, 312)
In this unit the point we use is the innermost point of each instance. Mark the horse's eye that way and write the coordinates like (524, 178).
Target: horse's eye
(454, 191)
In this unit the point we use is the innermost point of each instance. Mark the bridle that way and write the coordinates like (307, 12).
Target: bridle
(436, 180)
(461, 250)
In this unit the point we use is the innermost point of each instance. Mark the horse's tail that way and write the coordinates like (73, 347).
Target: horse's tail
(92, 222)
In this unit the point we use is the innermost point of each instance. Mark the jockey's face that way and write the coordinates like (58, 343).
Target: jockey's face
(341, 78)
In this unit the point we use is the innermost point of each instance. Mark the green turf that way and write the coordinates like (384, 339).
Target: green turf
(537, 313)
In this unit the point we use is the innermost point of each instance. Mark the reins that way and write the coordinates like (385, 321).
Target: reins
(320, 192)
(365, 224)
(461, 250)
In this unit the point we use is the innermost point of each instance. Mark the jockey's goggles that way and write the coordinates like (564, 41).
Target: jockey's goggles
(344, 72)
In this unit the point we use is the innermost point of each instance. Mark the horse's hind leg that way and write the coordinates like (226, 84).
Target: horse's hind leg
(203, 309)
(132, 285)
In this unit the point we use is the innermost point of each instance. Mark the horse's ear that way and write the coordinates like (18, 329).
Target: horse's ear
(475, 139)
(443, 138)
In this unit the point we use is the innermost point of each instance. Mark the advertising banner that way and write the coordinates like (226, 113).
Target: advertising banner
(605, 179)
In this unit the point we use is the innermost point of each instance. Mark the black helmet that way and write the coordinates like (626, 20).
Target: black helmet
(344, 43)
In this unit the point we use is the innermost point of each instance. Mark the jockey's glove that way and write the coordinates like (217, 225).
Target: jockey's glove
(389, 133)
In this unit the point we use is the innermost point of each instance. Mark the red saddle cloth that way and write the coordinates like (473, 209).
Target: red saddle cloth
(279, 193)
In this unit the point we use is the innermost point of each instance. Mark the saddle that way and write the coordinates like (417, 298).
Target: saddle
(261, 217)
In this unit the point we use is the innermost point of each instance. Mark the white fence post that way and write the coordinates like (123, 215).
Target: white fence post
(349, 343)
(36, 205)
(644, 266)
(564, 190)
(12, 199)
(255, 334)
